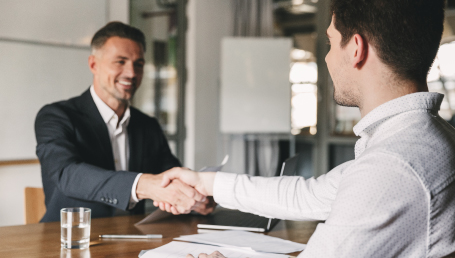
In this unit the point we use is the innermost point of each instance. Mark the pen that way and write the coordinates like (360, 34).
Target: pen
(132, 236)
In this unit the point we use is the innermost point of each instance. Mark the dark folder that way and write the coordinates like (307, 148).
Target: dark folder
(227, 219)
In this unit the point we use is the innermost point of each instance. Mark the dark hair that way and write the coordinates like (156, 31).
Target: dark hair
(405, 33)
(117, 29)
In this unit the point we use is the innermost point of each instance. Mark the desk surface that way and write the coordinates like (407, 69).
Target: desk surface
(43, 239)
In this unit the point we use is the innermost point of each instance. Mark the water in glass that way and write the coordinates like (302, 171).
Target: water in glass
(75, 236)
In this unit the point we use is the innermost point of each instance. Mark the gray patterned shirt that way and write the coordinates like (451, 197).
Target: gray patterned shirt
(396, 199)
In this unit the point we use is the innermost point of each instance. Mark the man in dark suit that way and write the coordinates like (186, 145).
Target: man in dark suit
(99, 152)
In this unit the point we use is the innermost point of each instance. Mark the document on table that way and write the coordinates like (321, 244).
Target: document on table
(253, 241)
(181, 249)
(159, 214)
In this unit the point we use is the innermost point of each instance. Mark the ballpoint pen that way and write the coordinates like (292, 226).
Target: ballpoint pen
(132, 236)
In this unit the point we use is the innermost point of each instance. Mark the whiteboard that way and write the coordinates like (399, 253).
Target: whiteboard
(255, 88)
(57, 21)
(32, 76)
(34, 73)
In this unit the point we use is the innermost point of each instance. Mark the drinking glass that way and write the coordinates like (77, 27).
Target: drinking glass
(75, 227)
(75, 253)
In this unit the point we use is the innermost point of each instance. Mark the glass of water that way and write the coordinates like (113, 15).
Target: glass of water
(75, 227)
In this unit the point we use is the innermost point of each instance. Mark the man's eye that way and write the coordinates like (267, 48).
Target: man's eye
(121, 62)
(327, 41)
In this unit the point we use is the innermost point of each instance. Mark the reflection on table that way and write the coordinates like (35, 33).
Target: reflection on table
(43, 239)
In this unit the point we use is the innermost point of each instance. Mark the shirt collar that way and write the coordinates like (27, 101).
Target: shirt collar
(420, 100)
(106, 112)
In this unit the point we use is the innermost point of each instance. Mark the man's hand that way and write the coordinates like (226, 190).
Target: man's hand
(201, 181)
(215, 254)
(181, 196)
(204, 208)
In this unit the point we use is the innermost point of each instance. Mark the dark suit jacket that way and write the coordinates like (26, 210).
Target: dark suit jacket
(77, 164)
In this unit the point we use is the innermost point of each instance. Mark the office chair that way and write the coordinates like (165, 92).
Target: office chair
(34, 204)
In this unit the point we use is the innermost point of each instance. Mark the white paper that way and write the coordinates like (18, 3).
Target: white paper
(180, 249)
(256, 242)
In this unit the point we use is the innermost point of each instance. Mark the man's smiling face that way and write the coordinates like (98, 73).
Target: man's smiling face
(118, 69)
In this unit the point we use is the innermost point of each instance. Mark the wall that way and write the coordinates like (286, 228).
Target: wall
(13, 180)
(208, 22)
(46, 46)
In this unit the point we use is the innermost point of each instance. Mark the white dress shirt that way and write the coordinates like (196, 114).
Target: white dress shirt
(396, 199)
(118, 134)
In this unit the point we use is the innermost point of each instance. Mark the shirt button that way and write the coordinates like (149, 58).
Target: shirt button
(110, 200)
(102, 199)
(115, 201)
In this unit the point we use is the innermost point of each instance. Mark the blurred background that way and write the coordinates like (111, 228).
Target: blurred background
(244, 78)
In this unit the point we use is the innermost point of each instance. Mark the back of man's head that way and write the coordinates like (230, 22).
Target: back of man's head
(117, 29)
(404, 33)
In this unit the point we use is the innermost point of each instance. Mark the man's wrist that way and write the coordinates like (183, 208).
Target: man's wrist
(134, 189)
(208, 179)
(144, 185)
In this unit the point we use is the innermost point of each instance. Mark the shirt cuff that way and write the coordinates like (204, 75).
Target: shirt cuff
(133, 196)
(223, 188)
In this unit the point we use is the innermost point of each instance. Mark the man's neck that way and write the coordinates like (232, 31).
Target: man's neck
(372, 101)
(118, 106)
(381, 89)
(119, 110)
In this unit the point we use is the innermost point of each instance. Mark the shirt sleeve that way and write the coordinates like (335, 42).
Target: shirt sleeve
(133, 199)
(381, 210)
(292, 198)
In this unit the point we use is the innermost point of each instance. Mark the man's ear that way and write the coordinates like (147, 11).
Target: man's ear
(92, 63)
(359, 53)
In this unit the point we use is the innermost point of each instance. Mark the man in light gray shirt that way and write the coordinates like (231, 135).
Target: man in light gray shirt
(396, 198)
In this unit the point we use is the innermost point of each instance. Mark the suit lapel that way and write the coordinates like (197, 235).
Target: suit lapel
(97, 125)
(135, 142)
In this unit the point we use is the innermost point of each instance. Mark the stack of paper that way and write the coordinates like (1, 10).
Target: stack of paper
(180, 249)
(235, 244)
(244, 239)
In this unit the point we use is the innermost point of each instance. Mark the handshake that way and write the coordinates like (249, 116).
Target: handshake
(179, 190)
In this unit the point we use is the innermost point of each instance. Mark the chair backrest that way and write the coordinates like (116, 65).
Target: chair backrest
(34, 204)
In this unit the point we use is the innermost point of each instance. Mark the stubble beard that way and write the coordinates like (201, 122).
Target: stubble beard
(345, 95)
(121, 96)
(345, 98)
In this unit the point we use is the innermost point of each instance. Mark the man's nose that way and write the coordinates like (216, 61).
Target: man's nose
(128, 71)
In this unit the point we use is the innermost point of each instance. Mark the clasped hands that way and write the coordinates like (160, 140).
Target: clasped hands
(178, 190)
(189, 190)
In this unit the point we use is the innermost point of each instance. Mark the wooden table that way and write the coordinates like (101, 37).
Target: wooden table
(43, 239)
